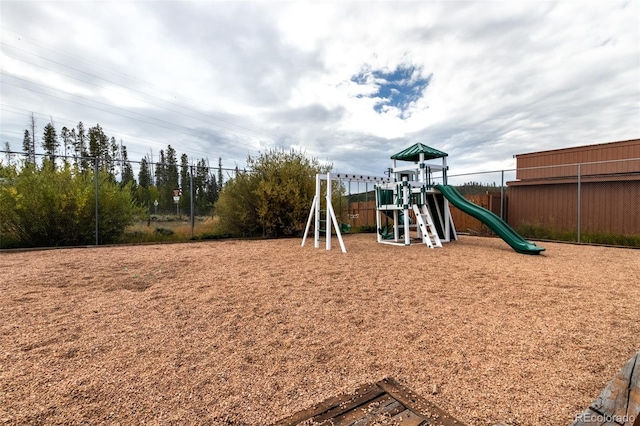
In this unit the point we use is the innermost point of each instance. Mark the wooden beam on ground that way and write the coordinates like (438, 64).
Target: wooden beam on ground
(619, 402)
(386, 399)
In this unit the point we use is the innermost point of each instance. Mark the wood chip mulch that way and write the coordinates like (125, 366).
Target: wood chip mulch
(250, 332)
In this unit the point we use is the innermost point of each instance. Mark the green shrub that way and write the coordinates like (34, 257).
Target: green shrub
(45, 206)
(213, 236)
(273, 199)
(163, 231)
(236, 207)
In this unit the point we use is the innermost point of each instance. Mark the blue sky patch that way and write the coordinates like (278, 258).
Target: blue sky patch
(395, 89)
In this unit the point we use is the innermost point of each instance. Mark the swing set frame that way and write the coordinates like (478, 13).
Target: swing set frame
(330, 220)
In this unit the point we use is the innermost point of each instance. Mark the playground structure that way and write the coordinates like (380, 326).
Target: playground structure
(413, 201)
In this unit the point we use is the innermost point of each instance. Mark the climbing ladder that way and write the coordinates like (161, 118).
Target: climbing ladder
(426, 227)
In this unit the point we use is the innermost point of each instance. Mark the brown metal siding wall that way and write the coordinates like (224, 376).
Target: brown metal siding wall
(584, 154)
(548, 206)
(610, 168)
(611, 207)
(610, 197)
(606, 207)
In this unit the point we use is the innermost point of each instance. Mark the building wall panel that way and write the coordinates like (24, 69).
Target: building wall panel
(606, 207)
(585, 154)
(548, 206)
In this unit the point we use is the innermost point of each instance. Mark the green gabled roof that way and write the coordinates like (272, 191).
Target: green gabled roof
(413, 153)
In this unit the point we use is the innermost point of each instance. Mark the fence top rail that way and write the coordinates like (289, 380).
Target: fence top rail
(579, 164)
(481, 173)
(544, 167)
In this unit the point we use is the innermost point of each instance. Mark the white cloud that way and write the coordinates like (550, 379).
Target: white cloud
(232, 78)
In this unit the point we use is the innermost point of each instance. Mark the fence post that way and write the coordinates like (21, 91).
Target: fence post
(96, 166)
(191, 198)
(366, 201)
(502, 196)
(579, 201)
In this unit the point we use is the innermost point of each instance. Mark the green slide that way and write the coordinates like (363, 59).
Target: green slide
(490, 219)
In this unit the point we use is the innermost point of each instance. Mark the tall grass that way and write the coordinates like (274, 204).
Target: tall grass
(170, 228)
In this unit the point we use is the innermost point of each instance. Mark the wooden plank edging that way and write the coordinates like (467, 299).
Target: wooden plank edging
(416, 409)
(619, 402)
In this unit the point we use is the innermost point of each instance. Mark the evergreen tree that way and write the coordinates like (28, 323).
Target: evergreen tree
(185, 183)
(67, 142)
(212, 191)
(143, 191)
(80, 147)
(127, 171)
(160, 172)
(113, 157)
(173, 176)
(220, 178)
(144, 175)
(50, 143)
(162, 182)
(99, 147)
(32, 122)
(200, 181)
(27, 147)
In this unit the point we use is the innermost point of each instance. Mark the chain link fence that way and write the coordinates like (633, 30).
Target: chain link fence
(596, 203)
(64, 199)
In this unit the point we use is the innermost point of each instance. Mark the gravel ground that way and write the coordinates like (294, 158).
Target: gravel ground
(248, 332)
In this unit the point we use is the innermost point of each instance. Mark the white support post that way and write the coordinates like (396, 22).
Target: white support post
(405, 206)
(338, 234)
(450, 222)
(378, 215)
(396, 226)
(306, 229)
(331, 218)
(447, 221)
(328, 223)
(316, 237)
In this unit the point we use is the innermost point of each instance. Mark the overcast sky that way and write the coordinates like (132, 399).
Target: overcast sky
(351, 83)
